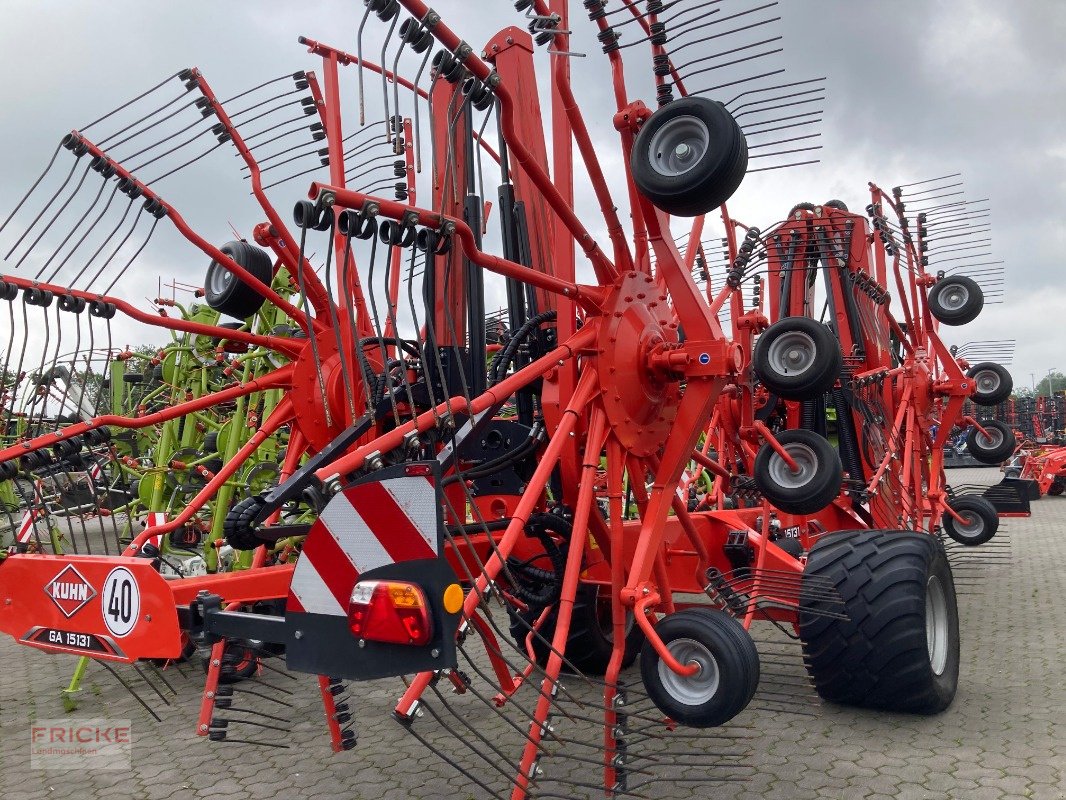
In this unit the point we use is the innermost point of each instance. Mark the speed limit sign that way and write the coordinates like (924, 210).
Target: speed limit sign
(121, 601)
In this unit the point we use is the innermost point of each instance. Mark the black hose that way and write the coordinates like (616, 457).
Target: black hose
(501, 362)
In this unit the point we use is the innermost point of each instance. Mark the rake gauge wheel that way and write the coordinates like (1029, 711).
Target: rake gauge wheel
(797, 358)
(993, 383)
(980, 520)
(956, 300)
(897, 645)
(993, 448)
(227, 293)
(728, 672)
(689, 157)
(812, 486)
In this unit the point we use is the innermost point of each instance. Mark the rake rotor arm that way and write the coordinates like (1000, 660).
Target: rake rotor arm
(622, 255)
(605, 270)
(281, 345)
(275, 380)
(297, 316)
(461, 405)
(316, 292)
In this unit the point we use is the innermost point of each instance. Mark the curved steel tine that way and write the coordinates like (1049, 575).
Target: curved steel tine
(359, 53)
(417, 133)
(397, 148)
(385, 78)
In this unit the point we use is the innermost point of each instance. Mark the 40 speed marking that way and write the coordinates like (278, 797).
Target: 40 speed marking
(120, 601)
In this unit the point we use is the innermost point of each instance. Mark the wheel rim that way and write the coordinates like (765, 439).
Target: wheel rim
(954, 297)
(806, 462)
(988, 381)
(792, 353)
(993, 439)
(972, 526)
(936, 624)
(219, 279)
(678, 146)
(696, 689)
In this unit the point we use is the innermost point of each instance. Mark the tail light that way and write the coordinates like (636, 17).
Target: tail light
(390, 611)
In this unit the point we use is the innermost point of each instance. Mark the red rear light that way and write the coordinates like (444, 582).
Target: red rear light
(390, 611)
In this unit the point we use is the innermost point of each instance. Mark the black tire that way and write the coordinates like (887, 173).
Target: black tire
(240, 661)
(591, 640)
(132, 377)
(992, 383)
(713, 639)
(837, 204)
(800, 207)
(882, 655)
(710, 172)
(797, 358)
(1056, 488)
(956, 300)
(996, 447)
(982, 520)
(227, 293)
(814, 487)
(233, 326)
(211, 442)
(1012, 472)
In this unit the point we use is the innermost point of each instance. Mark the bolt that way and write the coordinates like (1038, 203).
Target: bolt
(298, 635)
(435, 653)
(683, 152)
(362, 642)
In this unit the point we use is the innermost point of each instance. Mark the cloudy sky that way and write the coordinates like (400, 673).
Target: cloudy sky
(916, 89)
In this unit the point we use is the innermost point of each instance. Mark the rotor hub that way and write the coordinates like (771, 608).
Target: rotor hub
(641, 401)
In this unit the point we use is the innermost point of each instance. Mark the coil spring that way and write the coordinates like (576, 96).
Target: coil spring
(385, 9)
(479, 93)
(447, 66)
(417, 38)
(595, 9)
(740, 263)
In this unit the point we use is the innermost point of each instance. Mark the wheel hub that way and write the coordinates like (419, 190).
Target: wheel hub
(701, 686)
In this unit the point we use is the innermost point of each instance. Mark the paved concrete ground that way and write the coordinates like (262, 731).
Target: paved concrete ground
(1005, 736)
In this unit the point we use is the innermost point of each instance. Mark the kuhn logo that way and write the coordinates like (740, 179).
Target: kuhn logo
(70, 591)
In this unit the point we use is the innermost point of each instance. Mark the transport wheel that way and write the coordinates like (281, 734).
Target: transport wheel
(227, 293)
(956, 300)
(994, 448)
(689, 157)
(994, 383)
(728, 668)
(898, 649)
(813, 486)
(981, 520)
(797, 358)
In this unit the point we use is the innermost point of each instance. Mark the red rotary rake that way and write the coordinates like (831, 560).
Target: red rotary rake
(513, 533)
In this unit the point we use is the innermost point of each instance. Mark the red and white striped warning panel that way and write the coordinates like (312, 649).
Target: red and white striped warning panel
(155, 518)
(362, 528)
